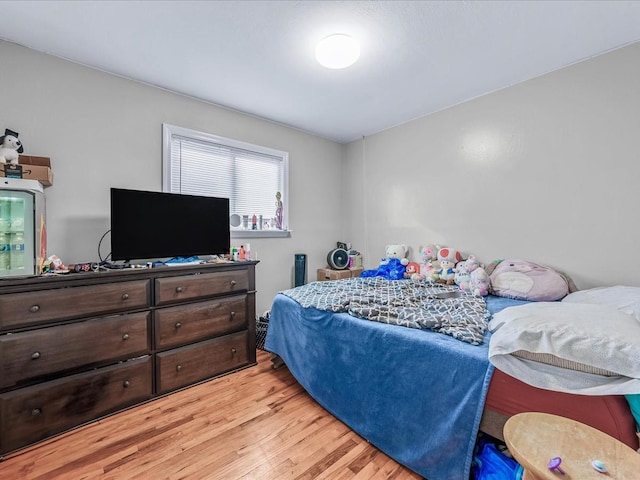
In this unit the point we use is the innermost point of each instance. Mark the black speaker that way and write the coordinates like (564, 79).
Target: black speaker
(338, 259)
(300, 264)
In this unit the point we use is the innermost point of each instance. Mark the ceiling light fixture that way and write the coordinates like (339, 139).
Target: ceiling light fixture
(337, 51)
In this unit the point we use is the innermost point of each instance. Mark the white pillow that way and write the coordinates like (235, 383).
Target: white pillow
(626, 299)
(600, 336)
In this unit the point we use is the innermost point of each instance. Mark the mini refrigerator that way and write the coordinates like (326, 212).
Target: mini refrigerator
(23, 238)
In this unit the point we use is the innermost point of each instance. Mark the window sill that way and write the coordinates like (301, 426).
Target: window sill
(260, 233)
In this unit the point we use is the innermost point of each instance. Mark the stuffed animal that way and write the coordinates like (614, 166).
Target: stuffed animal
(472, 263)
(463, 271)
(398, 251)
(429, 265)
(525, 280)
(393, 266)
(479, 282)
(10, 147)
(448, 257)
(412, 272)
(462, 275)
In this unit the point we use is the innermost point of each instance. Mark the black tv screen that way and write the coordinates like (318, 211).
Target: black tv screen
(156, 225)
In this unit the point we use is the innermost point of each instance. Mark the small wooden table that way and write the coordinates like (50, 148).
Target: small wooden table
(535, 438)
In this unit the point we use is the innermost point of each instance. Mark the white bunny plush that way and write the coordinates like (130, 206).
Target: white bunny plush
(10, 147)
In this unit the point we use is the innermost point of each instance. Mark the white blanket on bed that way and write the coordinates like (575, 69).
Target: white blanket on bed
(587, 335)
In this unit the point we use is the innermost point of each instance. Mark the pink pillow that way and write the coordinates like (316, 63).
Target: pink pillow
(524, 280)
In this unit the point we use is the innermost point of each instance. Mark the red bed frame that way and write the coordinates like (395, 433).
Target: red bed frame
(508, 396)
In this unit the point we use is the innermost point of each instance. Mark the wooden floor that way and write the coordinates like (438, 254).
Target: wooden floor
(254, 424)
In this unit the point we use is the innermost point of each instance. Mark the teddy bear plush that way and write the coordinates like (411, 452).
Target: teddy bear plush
(393, 265)
(10, 147)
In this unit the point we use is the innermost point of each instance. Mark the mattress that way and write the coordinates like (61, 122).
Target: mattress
(610, 414)
(508, 396)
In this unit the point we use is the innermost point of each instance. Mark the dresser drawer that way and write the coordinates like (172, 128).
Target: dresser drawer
(20, 309)
(197, 321)
(187, 287)
(55, 349)
(186, 365)
(34, 413)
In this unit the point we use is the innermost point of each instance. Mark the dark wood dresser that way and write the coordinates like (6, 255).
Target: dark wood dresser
(76, 347)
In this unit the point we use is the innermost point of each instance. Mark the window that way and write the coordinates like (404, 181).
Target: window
(250, 176)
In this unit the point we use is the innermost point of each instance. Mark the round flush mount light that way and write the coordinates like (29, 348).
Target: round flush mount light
(337, 51)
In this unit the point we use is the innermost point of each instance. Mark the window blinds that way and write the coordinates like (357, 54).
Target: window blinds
(248, 178)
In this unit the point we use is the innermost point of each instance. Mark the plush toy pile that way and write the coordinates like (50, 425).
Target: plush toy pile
(518, 279)
(437, 264)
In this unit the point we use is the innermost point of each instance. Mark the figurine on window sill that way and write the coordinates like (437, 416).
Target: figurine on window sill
(279, 208)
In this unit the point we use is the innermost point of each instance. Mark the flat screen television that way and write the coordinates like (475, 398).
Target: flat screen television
(157, 225)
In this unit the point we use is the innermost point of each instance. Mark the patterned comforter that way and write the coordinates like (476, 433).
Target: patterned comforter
(441, 308)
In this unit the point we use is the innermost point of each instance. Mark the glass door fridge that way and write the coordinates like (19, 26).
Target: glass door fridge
(22, 227)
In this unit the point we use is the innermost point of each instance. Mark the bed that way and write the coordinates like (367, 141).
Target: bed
(419, 394)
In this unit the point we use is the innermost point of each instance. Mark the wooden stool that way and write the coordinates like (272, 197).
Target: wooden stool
(535, 438)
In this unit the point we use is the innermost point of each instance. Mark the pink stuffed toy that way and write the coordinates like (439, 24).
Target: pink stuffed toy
(429, 265)
(479, 282)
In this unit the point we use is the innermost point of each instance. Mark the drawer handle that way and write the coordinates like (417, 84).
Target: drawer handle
(126, 384)
(125, 336)
(36, 411)
(125, 296)
(178, 289)
(233, 283)
(35, 355)
(34, 308)
(233, 351)
(178, 367)
(233, 314)
(178, 325)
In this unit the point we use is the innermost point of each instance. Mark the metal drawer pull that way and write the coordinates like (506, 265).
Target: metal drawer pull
(125, 296)
(233, 351)
(34, 308)
(178, 325)
(178, 289)
(35, 355)
(233, 283)
(125, 336)
(233, 314)
(126, 384)
(36, 411)
(178, 367)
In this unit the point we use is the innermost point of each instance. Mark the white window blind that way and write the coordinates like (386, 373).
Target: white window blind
(248, 175)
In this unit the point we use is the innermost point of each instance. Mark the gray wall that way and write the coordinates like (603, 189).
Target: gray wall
(104, 131)
(547, 170)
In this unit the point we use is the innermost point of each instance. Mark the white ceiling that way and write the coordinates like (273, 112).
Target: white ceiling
(417, 57)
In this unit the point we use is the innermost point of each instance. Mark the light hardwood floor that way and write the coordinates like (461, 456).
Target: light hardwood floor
(254, 424)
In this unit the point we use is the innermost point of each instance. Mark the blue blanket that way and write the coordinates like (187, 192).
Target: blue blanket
(416, 395)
